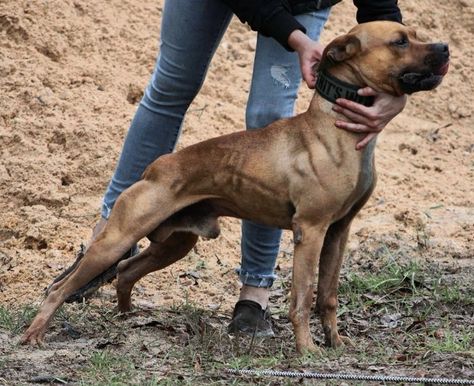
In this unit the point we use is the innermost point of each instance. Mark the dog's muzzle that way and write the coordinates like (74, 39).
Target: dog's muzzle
(436, 65)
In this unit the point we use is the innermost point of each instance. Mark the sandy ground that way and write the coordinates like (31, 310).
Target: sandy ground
(71, 73)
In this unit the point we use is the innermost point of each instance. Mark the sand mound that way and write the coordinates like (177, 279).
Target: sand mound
(71, 73)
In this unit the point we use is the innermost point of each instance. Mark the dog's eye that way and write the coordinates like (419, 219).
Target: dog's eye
(402, 42)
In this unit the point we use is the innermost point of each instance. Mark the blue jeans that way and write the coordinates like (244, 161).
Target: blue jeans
(190, 33)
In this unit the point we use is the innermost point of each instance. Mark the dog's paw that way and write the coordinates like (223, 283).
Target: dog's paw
(308, 348)
(339, 341)
(124, 315)
(32, 338)
(124, 307)
(346, 341)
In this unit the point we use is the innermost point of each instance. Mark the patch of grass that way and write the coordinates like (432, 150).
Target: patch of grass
(392, 277)
(407, 284)
(452, 293)
(449, 341)
(14, 320)
(251, 361)
(108, 368)
(402, 316)
(406, 310)
(202, 348)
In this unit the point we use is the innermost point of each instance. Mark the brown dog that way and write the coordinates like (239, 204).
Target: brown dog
(299, 173)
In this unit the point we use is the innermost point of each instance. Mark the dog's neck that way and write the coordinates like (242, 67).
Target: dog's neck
(327, 91)
(323, 104)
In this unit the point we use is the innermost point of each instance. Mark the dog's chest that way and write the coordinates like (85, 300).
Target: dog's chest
(332, 181)
(362, 181)
(367, 169)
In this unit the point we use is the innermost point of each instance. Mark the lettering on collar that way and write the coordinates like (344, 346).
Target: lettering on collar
(332, 88)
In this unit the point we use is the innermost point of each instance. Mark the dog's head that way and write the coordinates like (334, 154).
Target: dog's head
(388, 57)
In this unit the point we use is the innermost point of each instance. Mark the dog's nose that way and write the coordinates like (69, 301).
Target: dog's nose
(440, 48)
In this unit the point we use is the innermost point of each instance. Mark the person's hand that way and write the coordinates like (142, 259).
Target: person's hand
(309, 52)
(370, 120)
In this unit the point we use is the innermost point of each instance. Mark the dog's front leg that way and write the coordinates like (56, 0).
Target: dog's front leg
(329, 268)
(308, 243)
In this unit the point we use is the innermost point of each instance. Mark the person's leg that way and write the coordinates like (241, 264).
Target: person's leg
(190, 34)
(275, 82)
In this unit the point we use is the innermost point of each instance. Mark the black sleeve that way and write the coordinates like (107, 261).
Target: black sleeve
(371, 10)
(269, 17)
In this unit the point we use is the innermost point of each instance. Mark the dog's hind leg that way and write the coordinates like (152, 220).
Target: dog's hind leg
(138, 211)
(170, 241)
(157, 256)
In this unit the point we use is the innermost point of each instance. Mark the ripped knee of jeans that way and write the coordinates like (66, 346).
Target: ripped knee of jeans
(280, 76)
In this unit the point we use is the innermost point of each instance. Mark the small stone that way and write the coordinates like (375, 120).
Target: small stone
(438, 334)
(463, 112)
(46, 97)
(134, 93)
(4, 175)
(54, 254)
(252, 44)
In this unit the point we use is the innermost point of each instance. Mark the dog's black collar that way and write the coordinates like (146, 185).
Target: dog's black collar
(331, 88)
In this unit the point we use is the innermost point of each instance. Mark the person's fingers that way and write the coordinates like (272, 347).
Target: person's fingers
(355, 117)
(363, 143)
(354, 127)
(367, 112)
(308, 76)
(367, 91)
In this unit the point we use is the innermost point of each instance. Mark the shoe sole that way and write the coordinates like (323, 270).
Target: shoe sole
(257, 334)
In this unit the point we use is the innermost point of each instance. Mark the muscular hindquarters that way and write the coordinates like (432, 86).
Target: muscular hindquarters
(240, 171)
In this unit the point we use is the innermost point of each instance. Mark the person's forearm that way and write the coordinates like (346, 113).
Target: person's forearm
(298, 40)
(309, 53)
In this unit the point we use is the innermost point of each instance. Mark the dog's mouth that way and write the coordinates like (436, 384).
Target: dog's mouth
(412, 81)
(443, 70)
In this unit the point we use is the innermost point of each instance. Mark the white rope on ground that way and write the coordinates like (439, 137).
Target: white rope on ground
(351, 377)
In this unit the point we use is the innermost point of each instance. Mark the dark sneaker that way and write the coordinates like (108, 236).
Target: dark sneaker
(105, 277)
(250, 318)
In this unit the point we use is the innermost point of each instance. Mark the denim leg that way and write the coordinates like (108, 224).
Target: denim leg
(190, 33)
(275, 82)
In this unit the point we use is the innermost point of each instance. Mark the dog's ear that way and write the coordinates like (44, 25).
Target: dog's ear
(339, 50)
